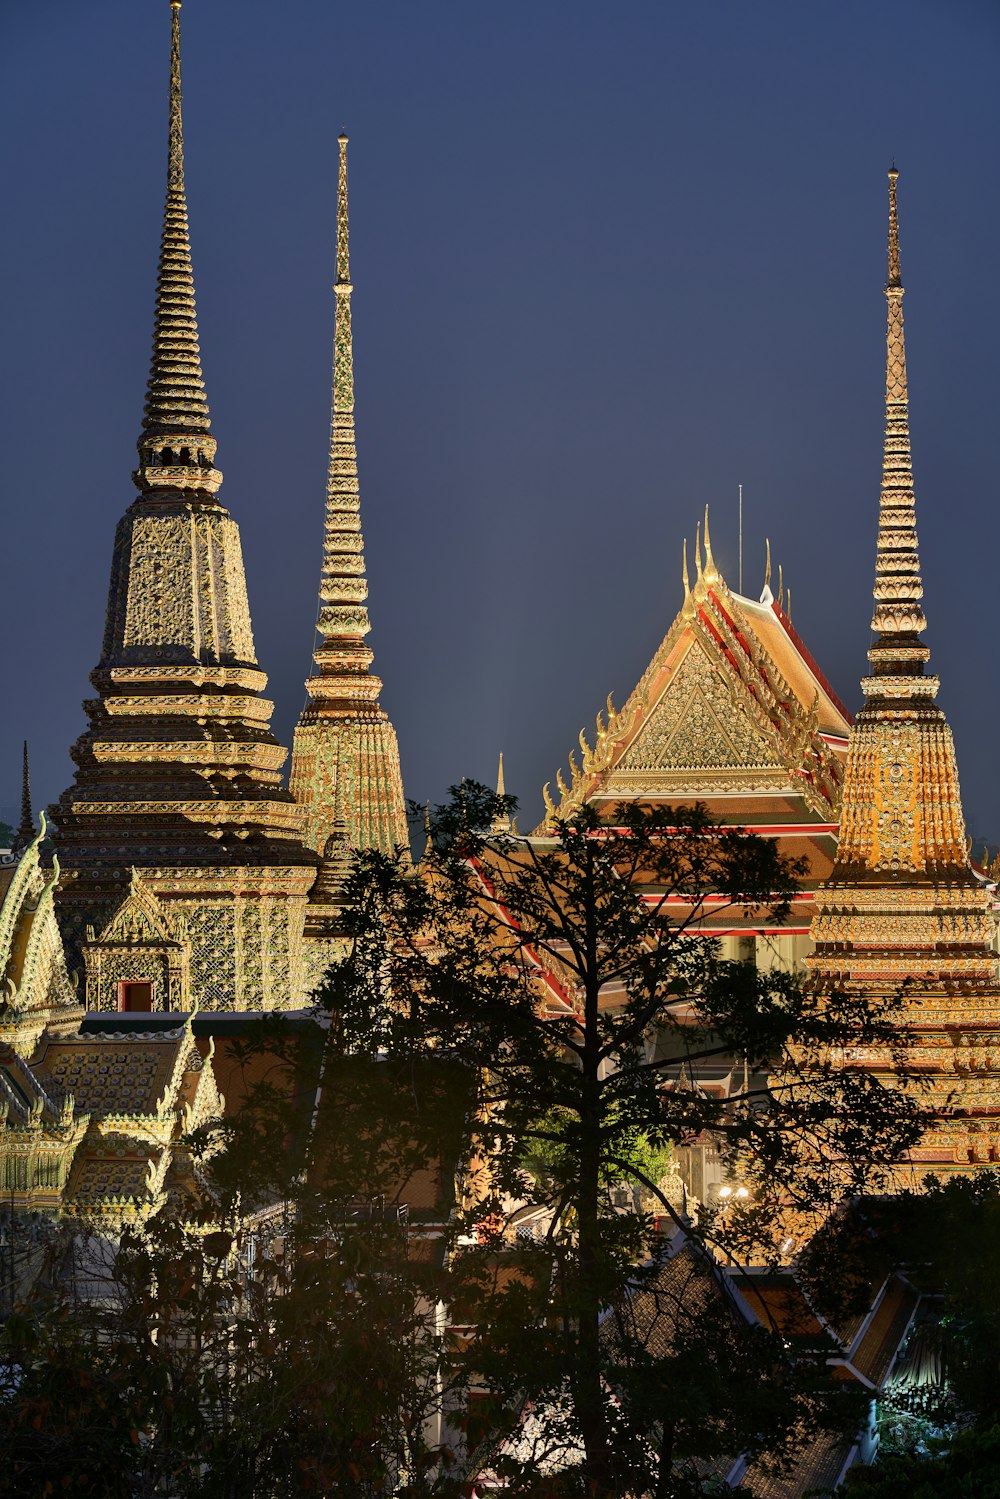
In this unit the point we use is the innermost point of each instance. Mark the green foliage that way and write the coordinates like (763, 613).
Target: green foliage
(289, 1344)
(967, 1468)
(479, 1054)
(546, 965)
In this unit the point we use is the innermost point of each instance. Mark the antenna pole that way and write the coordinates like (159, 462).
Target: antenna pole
(741, 538)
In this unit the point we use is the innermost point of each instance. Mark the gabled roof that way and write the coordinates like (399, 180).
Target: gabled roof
(731, 703)
(137, 1075)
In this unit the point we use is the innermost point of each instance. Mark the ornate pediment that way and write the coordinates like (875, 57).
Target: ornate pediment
(696, 725)
(140, 919)
(731, 702)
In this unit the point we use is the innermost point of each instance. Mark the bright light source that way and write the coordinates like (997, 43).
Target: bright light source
(742, 1192)
(787, 1245)
(725, 1191)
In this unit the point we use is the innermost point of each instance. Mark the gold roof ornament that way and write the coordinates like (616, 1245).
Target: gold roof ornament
(700, 590)
(766, 596)
(689, 606)
(711, 571)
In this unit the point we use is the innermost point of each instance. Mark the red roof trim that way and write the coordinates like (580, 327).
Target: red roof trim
(808, 658)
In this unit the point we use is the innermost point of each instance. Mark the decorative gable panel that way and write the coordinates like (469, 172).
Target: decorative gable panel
(696, 726)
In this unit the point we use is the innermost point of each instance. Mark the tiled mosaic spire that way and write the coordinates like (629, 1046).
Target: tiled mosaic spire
(902, 914)
(898, 618)
(343, 586)
(902, 811)
(176, 449)
(345, 759)
(178, 775)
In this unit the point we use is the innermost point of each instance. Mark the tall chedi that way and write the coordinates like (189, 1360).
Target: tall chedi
(345, 759)
(184, 871)
(902, 911)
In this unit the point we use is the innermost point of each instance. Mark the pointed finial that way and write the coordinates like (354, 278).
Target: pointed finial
(788, 605)
(711, 571)
(699, 589)
(501, 822)
(894, 272)
(26, 829)
(781, 588)
(766, 596)
(176, 449)
(687, 608)
(428, 840)
(343, 235)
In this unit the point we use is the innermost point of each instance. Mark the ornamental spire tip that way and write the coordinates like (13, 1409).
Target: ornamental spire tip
(176, 449)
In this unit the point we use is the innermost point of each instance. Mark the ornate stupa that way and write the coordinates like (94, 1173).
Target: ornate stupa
(902, 911)
(345, 759)
(181, 852)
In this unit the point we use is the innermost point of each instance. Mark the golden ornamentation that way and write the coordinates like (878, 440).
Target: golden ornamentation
(178, 773)
(345, 751)
(902, 911)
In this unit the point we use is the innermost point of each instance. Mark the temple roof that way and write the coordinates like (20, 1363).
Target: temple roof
(732, 703)
(117, 1073)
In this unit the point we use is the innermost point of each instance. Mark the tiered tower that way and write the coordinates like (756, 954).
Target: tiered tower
(902, 911)
(345, 759)
(178, 774)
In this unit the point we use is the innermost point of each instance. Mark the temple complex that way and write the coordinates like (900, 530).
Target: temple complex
(177, 810)
(189, 882)
(902, 911)
(345, 759)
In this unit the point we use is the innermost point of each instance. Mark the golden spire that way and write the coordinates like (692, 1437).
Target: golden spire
(344, 588)
(343, 734)
(901, 814)
(898, 618)
(176, 449)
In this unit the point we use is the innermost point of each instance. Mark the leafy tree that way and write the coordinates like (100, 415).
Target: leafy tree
(277, 1335)
(946, 1240)
(570, 975)
(518, 1021)
(967, 1467)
